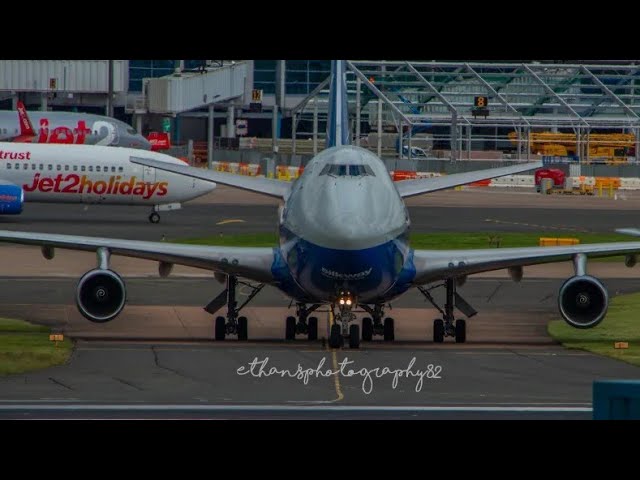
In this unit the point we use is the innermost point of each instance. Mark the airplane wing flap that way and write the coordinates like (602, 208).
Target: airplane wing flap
(409, 188)
(432, 265)
(251, 263)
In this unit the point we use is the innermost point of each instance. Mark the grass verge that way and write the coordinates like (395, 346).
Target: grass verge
(25, 347)
(622, 324)
(435, 240)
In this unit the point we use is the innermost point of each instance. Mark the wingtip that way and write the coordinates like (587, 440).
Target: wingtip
(635, 232)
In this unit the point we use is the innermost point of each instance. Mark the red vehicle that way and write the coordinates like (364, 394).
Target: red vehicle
(159, 141)
(556, 174)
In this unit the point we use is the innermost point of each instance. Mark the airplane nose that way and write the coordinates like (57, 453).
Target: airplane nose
(205, 187)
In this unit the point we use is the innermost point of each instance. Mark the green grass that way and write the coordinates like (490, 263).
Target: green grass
(622, 324)
(240, 240)
(25, 347)
(436, 240)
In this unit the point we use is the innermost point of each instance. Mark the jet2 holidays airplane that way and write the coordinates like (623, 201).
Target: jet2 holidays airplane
(344, 243)
(91, 174)
(68, 128)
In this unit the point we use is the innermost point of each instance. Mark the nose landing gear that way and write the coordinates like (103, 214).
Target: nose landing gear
(341, 328)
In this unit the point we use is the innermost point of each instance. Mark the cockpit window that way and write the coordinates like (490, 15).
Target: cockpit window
(337, 170)
(131, 131)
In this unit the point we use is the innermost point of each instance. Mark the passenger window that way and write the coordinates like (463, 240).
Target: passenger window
(41, 166)
(17, 166)
(91, 168)
(50, 167)
(58, 167)
(82, 168)
(33, 166)
(120, 169)
(113, 169)
(9, 166)
(25, 166)
(66, 168)
(75, 168)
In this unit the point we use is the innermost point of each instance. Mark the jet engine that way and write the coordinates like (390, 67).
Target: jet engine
(583, 301)
(11, 199)
(100, 295)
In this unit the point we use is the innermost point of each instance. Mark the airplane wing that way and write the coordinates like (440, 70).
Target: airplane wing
(634, 232)
(251, 263)
(432, 265)
(409, 188)
(266, 186)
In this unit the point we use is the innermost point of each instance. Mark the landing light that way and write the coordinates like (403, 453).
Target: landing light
(348, 301)
(342, 301)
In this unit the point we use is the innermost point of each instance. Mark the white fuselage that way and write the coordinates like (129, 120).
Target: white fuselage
(344, 227)
(94, 174)
(70, 128)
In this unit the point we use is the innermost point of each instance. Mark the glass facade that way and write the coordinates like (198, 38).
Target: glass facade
(139, 69)
(301, 76)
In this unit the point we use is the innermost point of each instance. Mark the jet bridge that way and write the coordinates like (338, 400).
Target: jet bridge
(184, 91)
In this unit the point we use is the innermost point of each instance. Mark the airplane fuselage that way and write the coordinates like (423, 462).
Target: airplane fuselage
(70, 128)
(93, 174)
(344, 228)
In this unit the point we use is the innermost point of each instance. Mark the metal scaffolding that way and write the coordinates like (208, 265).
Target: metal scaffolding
(581, 98)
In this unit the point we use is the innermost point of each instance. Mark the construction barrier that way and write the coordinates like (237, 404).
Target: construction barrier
(481, 183)
(399, 175)
(604, 185)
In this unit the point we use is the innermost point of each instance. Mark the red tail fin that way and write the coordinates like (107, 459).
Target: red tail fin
(26, 129)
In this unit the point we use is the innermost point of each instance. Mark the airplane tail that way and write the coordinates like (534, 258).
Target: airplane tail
(26, 128)
(338, 118)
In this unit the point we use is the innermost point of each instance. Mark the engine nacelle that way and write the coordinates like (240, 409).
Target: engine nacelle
(583, 301)
(100, 295)
(11, 199)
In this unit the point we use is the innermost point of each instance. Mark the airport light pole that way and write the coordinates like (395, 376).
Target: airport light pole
(210, 129)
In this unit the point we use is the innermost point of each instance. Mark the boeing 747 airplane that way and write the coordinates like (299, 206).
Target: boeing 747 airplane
(344, 243)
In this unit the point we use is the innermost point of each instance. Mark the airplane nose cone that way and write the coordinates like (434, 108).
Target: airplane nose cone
(205, 187)
(348, 215)
(144, 143)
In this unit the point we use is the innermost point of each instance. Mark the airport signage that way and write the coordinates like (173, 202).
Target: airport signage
(242, 127)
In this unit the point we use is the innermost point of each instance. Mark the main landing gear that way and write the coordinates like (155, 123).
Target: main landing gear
(233, 324)
(305, 325)
(154, 216)
(374, 325)
(447, 326)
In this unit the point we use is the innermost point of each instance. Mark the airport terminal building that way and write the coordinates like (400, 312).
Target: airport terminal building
(426, 109)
